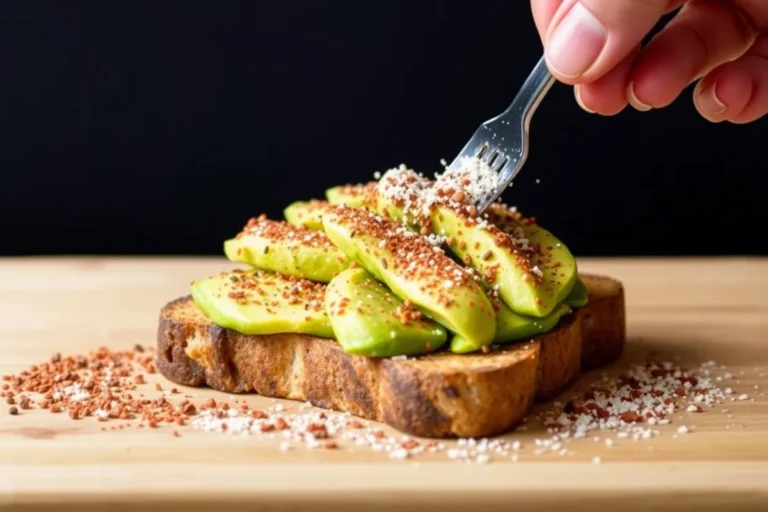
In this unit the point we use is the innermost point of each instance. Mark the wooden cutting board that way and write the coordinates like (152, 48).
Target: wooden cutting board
(685, 310)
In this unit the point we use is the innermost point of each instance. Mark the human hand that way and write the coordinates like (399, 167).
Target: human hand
(723, 44)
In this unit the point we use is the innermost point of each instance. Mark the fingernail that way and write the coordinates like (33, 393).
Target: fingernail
(575, 43)
(709, 102)
(634, 101)
(577, 93)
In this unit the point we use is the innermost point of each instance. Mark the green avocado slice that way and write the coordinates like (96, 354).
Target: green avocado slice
(257, 302)
(356, 196)
(511, 327)
(414, 270)
(578, 296)
(289, 250)
(533, 273)
(369, 320)
(306, 214)
(399, 194)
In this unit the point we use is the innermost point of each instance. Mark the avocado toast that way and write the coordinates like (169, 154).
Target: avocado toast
(395, 301)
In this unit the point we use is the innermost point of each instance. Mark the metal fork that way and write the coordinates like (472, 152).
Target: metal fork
(502, 142)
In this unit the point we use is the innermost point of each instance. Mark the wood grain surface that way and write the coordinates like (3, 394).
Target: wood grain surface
(686, 310)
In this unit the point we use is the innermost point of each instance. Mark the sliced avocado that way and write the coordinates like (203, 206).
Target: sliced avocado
(306, 214)
(369, 320)
(533, 271)
(513, 327)
(357, 196)
(414, 270)
(292, 251)
(578, 296)
(399, 194)
(257, 302)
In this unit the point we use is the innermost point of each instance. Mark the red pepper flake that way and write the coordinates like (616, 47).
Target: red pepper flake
(409, 444)
(318, 430)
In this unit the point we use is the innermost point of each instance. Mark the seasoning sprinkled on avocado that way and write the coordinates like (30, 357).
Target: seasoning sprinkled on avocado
(414, 270)
(369, 320)
(306, 214)
(408, 259)
(357, 196)
(289, 250)
(257, 302)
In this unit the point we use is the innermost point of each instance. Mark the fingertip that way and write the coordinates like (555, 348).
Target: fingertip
(709, 104)
(606, 96)
(634, 101)
(580, 101)
(723, 95)
(595, 99)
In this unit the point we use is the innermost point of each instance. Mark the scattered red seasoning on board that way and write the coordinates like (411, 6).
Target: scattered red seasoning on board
(409, 444)
(97, 386)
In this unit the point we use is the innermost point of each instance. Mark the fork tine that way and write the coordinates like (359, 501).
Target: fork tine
(507, 174)
(493, 155)
(502, 142)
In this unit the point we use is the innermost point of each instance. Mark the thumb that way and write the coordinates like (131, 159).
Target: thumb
(586, 38)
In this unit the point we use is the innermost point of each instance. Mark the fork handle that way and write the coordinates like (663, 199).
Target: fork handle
(533, 90)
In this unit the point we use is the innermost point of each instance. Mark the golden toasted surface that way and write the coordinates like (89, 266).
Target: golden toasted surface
(439, 395)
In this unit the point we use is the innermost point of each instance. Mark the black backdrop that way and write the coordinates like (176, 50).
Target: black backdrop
(160, 127)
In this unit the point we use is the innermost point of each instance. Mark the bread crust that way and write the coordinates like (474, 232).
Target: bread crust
(559, 357)
(603, 321)
(441, 395)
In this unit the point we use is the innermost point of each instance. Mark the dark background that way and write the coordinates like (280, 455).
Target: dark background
(160, 127)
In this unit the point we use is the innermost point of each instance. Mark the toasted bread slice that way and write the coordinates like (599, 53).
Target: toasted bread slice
(559, 357)
(603, 321)
(438, 395)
